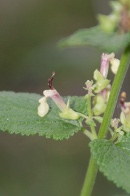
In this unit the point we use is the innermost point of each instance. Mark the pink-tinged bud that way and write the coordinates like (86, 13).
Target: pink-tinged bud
(105, 59)
(55, 96)
(106, 93)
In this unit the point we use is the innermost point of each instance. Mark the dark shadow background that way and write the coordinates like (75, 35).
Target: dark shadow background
(29, 33)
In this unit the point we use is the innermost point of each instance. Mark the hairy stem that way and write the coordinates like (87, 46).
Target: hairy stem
(93, 168)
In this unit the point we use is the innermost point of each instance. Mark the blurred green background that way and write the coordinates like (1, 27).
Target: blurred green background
(29, 33)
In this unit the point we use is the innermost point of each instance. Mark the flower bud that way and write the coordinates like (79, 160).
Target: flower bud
(105, 59)
(99, 105)
(101, 82)
(116, 6)
(89, 87)
(108, 23)
(125, 114)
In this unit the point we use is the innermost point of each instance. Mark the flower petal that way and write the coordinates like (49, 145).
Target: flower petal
(43, 108)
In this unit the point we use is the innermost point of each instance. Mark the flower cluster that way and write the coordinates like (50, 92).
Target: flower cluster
(97, 97)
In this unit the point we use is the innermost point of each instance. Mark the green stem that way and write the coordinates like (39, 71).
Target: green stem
(114, 137)
(89, 134)
(90, 178)
(90, 114)
(89, 106)
(93, 168)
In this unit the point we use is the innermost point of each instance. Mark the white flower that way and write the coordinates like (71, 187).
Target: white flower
(43, 108)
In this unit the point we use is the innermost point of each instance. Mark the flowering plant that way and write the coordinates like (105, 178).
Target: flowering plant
(60, 117)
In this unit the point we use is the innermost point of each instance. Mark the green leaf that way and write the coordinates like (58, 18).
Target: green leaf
(18, 114)
(95, 36)
(113, 160)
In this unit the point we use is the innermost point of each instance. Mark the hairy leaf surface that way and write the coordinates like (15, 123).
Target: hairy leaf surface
(114, 160)
(18, 114)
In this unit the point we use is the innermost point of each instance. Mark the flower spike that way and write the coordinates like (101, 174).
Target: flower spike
(102, 86)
